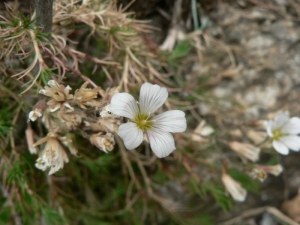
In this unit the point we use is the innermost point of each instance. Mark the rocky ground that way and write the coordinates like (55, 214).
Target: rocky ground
(263, 77)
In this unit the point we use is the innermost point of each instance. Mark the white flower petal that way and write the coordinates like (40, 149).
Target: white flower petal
(292, 126)
(42, 91)
(234, 188)
(123, 104)
(161, 142)
(152, 97)
(33, 115)
(171, 121)
(131, 135)
(280, 147)
(68, 106)
(280, 119)
(67, 89)
(53, 83)
(40, 164)
(54, 108)
(291, 141)
(269, 127)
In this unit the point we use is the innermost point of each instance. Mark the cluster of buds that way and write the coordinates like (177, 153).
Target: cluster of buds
(86, 112)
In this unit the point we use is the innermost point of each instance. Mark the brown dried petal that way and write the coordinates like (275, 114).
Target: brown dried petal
(103, 142)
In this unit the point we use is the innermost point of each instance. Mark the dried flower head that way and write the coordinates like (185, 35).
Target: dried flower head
(283, 131)
(52, 156)
(59, 94)
(234, 188)
(70, 119)
(245, 150)
(86, 96)
(37, 111)
(104, 142)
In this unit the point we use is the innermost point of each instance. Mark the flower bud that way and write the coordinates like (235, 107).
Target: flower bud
(245, 150)
(237, 192)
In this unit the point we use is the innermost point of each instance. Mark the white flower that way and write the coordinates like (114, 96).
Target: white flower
(142, 121)
(234, 188)
(283, 131)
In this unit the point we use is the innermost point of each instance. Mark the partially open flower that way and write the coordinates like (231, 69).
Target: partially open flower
(234, 188)
(261, 172)
(245, 150)
(59, 94)
(283, 131)
(104, 142)
(86, 96)
(37, 111)
(53, 155)
(274, 169)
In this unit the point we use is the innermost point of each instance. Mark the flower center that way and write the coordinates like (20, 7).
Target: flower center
(143, 121)
(277, 134)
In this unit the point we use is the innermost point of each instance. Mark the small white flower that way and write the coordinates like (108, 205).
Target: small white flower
(283, 131)
(142, 121)
(234, 188)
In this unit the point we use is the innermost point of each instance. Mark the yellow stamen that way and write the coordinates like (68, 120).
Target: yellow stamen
(277, 134)
(143, 121)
